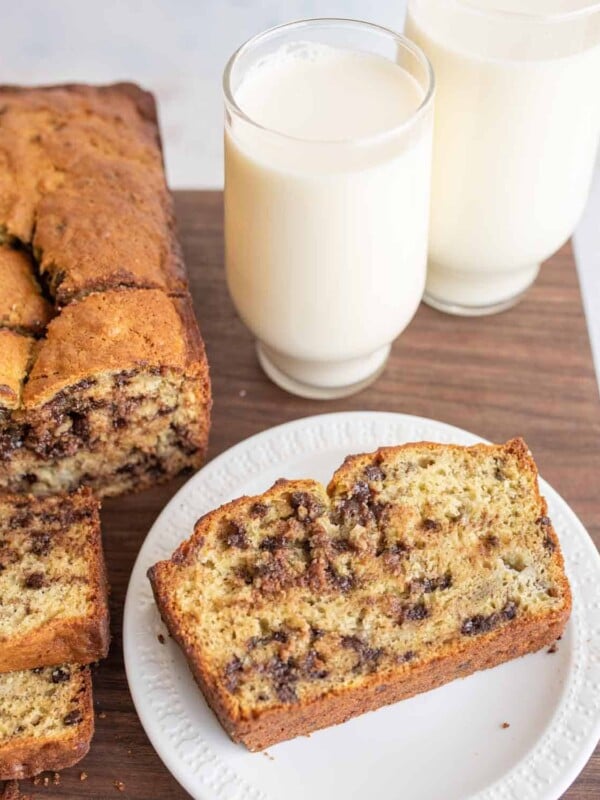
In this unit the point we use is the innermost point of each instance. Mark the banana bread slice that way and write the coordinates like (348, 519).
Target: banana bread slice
(46, 719)
(53, 588)
(303, 607)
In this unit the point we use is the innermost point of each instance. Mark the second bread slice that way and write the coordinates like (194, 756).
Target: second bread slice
(53, 589)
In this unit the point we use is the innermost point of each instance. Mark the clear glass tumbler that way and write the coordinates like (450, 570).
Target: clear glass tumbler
(517, 122)
(326, 230)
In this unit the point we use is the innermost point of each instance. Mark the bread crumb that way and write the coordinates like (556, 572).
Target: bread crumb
(120, 786)
(37, 781)
(102, 715)
(552, 649)
(56, 779)
(268, 755)
(161, 638)
(130, 752)
(83, 776)
(11, 792)
(243, 393)
(505, 725)
(46, 780)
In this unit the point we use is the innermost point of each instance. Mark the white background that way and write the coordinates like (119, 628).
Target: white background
(177, 48)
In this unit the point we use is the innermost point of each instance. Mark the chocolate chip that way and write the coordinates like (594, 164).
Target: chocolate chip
(259, 509)
(344, 583)
(306, 506)
(286, 692)
(284, 675)
(428, 585)
(374, 473)
(235, 536)
(272, 543)
(124, 377)
(35, 580)
(41, 543)
(80, 426)
(12, 438)
(482, 624)
(60, 675)
(311, 666)
(415, 613)
(431, 525)
(232, 672)
(257, 641)
(341, 545)
(549, 543)
(73, 717)
(361, 492)
(499, 474)
(368, 657)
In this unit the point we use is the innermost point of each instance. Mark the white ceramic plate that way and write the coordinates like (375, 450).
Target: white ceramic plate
(447, 744)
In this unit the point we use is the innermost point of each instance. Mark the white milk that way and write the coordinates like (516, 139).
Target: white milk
(326, 236)
(516, 129)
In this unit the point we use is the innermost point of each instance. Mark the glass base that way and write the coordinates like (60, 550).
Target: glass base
(322, 380)
(468, 294)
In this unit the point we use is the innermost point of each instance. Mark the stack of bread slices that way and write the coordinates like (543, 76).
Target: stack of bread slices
(54, 624)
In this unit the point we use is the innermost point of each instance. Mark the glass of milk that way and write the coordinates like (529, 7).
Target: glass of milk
(517, 122)
(328, 137)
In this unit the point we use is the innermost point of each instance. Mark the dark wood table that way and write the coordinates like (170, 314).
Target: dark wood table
(528, 371)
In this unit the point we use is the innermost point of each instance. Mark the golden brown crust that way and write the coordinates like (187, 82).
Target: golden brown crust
(47, 130)
(22, 306)
(90, 173)
(79, 640)
(110, 331)
(461, 656)
(28, 756)
(82, 641)
(352, 463)
(16, 351)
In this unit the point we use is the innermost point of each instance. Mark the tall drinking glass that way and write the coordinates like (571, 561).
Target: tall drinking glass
(517, 122)
(328, 127)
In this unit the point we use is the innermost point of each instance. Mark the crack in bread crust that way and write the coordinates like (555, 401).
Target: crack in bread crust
(421, 563)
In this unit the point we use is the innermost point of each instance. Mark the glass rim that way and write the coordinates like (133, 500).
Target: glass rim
(530, 16)
(404, 41)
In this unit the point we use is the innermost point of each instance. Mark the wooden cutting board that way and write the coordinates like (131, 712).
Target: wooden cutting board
(526, 372)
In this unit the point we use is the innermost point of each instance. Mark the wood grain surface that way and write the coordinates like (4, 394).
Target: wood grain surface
(526, 372)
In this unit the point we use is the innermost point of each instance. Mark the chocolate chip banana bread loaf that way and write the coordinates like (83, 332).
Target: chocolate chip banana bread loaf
(53, 588)
(419, 564)
(46, 719)
(103, 375)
